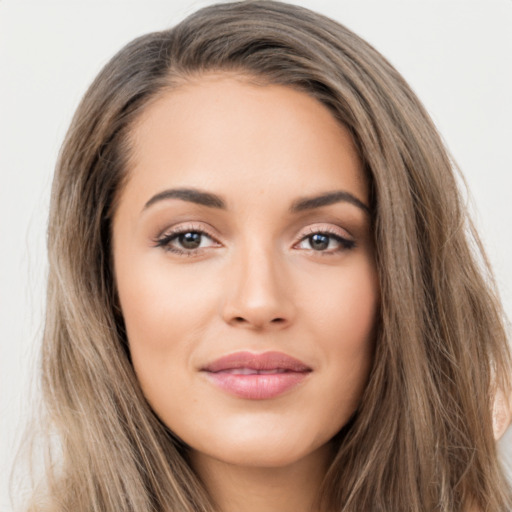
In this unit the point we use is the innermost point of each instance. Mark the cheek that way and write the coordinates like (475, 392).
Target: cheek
(344, 323)
(345, 307)
(165, 311)
(162, 304)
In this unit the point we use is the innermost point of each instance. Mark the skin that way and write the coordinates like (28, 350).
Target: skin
(256, 283)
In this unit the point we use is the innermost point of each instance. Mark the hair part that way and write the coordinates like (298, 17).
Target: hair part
(422, 437)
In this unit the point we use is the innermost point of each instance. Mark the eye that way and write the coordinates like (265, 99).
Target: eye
(186, 241)
(326, 242)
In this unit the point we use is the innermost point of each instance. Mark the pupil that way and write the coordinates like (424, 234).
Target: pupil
(191, 240)
(319, 241)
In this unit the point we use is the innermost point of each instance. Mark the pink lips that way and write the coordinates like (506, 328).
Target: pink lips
(256, 376)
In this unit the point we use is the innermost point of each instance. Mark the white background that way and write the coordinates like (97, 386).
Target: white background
(456, 54)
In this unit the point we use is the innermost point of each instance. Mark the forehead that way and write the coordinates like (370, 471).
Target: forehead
(227, 134)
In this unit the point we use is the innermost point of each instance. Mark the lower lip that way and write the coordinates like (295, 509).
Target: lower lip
(257, 386)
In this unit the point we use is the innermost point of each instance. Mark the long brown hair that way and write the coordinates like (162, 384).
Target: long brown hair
(422, 437)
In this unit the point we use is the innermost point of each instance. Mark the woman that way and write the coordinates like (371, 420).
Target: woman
(263, 290)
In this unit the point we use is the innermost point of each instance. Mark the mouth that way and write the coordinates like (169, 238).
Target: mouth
(256, 376)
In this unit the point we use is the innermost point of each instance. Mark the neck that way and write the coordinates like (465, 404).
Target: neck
(289, 488)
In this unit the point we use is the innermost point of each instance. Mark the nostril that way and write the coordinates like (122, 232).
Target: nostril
(278, 320)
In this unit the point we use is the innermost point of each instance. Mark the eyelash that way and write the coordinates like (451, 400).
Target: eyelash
(165, 241)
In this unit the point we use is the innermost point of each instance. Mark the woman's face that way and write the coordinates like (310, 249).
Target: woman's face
(245, 270)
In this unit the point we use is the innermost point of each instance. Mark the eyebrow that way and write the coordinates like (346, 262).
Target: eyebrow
(337, 196)
(210, 200)
(191, 195)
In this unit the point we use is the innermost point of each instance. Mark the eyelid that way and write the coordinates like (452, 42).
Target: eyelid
(184, 227)
(324, 228)
(163, 239)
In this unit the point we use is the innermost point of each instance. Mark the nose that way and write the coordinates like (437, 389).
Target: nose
(258, 292)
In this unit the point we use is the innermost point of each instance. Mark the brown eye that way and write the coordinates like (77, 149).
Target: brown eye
(319, 241)
(325, 242)
(190, 240)
(186, 241)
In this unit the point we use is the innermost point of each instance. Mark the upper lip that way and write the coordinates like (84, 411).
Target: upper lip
(257, 361)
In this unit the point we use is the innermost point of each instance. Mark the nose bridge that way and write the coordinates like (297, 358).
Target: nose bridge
(257, 294)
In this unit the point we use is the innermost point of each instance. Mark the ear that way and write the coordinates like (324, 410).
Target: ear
(501, 413)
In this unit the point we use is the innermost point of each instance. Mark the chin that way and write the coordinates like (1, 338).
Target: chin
(263, 448)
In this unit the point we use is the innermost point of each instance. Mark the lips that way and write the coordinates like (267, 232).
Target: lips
(256, 376)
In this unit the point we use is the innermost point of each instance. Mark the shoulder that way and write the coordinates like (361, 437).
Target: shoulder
(501, 414)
